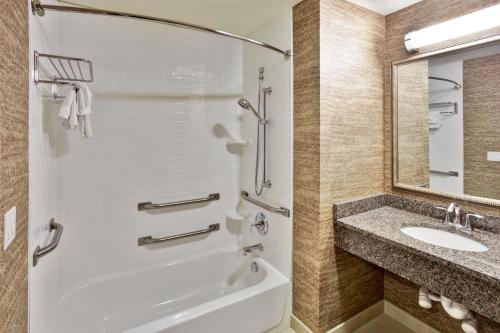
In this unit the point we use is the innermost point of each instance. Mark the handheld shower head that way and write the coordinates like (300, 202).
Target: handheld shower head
(245, 104)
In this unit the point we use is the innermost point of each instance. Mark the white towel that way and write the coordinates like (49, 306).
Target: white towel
(84, 97)
(435, 120)
(76, 109)
(69, 110)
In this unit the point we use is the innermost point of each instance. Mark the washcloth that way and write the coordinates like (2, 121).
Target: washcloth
(69, 110)
(76, 109)
(84, 97)
(434, 120)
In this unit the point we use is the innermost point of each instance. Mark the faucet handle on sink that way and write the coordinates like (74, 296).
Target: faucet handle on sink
(468, 224)
(448, 212)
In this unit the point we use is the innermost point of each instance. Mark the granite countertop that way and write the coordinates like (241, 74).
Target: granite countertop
(385, 224)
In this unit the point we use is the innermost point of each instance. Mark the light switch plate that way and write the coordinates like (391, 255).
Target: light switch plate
(494, 156)
(9, 227)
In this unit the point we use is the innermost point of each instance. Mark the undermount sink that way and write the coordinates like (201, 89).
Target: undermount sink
(444, 239)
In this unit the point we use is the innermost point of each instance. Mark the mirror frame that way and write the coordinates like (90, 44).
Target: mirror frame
(394, 103)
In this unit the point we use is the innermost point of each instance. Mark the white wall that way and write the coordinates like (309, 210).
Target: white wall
(43, 282)
(278, 75)
(165, 98)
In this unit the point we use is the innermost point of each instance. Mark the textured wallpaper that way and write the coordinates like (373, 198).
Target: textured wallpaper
(481, 126)
(413, 124)
(338, 153)
(14, 75)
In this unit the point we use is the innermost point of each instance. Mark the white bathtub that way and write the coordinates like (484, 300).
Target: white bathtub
(216, 293)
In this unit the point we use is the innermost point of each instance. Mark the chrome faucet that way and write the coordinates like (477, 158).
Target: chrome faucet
(454, 209)
(257, 248)
(468, 224)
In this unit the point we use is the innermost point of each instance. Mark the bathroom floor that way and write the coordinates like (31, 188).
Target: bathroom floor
(381, 324)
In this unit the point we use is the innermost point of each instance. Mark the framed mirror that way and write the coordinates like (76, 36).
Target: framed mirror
(446, 122)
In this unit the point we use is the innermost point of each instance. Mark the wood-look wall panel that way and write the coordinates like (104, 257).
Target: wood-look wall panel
(413, 123)
(338, 153)
(306, 120)
(14, 163)
(481, 126)
(420, 15)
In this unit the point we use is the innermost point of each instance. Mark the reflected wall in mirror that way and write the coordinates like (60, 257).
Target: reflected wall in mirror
(447, 123)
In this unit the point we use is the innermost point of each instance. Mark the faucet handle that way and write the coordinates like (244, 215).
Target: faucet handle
(447, 213)
(468, 223)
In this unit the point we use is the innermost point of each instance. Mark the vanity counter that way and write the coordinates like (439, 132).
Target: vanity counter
(370, 228)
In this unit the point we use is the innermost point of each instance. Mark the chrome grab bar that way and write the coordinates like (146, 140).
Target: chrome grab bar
(150, 205)
(444, 173)
(41, 251)
(150, 240)
(281, 210)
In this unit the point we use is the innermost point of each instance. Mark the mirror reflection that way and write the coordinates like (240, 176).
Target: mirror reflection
(448, 123)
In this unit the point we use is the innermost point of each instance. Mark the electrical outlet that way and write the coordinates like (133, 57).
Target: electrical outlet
(9, 227)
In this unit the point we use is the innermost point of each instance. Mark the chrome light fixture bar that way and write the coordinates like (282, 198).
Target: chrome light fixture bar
(39, 9)
(480, 20)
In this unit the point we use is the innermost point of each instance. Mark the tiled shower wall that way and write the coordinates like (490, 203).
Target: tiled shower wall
(165, 105)
(14, 120)
(338, 153)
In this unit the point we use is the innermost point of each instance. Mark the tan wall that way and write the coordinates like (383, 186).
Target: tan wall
(14, 162)
(481, 126)
(413, 123)
(338, 153)
(422, 14)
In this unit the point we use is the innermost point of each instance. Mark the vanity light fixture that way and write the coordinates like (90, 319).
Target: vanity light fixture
(480, 20)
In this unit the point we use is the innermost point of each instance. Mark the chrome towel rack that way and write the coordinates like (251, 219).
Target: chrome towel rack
(41, 251)
(281, 210)
(445, 105)
(444, 173)
(150, 240)
(149, 205)
(63, 70)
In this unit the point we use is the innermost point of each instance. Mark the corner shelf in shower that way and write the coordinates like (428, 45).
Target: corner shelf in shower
(237, 216)
(238, 143)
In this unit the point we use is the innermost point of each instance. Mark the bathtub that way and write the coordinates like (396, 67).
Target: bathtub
(214, 293)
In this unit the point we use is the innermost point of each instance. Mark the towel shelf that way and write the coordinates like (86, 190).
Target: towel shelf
(150, 240)
(281, 210)
(150, 205)
(63, 70)
(41, 251)
(445, 105)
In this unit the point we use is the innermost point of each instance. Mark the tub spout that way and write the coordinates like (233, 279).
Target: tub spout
(257, 248)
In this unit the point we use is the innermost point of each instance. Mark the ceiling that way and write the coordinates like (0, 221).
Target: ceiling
(384, 7)
(241, 17)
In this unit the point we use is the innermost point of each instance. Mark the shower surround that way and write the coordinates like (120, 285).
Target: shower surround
(165, 109)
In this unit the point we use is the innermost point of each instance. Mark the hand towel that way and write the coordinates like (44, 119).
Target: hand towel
(85, 98)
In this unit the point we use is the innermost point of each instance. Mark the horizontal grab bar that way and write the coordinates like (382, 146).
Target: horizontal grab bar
(281, 210)
(444, 173)
(150, 240)
(150, 205)
(41, 251)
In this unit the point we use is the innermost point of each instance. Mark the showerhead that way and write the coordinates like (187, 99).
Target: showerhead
(245, 104)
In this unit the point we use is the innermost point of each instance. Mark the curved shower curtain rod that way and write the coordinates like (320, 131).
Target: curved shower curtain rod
(39, 9)
(458, 86)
